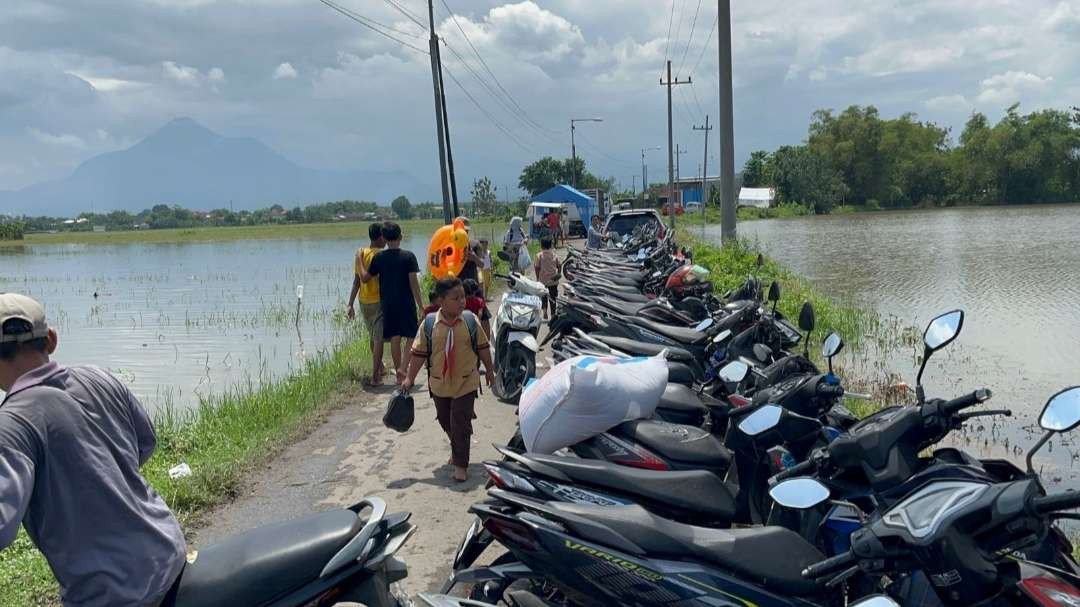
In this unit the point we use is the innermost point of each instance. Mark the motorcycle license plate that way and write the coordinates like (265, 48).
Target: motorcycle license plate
(521, 298)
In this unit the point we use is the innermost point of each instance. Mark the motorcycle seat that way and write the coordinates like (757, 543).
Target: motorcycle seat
(696, 491)
(644, 348)
(256, 566)
(680, 334)
(680, 373)
(773, 557)
(678, 397)
(690, 446)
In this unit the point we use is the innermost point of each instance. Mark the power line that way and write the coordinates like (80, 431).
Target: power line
(678, 30)
(410, 16)
(521, 110)
(468, 67)
(605, 154)
(667, 40)
(373, 25)
(697, 102)
(690, 39)
(706, 46)
(487, 114)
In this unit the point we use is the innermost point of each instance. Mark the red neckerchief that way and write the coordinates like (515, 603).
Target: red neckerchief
(448, 360)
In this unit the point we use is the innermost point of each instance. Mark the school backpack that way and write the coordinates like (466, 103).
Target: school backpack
(471, 324)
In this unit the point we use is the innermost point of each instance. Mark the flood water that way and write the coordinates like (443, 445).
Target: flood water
(181, 322)
(1014, 271)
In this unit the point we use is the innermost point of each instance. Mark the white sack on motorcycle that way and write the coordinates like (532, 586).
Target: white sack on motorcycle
(587, 395)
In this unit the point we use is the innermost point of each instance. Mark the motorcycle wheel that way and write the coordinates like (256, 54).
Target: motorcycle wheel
(519, 366)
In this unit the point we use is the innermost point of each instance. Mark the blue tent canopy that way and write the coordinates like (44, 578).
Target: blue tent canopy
(564, 193)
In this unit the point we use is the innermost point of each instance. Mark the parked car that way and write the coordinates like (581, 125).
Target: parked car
(624, 222)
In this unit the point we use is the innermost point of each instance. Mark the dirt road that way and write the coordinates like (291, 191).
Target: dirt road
(352, 455)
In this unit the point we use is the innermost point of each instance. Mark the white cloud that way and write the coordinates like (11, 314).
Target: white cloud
(1064, 18)
(63, 139)
(1009, 87)
(285, 70)
(181, 73)
(948, 103)
(216, 74)
(107, 85)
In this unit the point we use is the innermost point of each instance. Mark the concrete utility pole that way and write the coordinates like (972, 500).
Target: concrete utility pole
(573, 148)
(727, 128)
(704, 174)
(433, 50)
(678, 153)
(446, 130)
(645, 173)
(670, 149)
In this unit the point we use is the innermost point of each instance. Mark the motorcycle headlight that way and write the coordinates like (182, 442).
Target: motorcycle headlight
(922, 512)
(521, 317)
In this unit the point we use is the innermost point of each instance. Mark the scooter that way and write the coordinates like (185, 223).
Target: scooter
(343, 555)
(517, 326)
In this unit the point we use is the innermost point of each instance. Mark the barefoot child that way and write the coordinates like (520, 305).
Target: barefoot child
(456, 345)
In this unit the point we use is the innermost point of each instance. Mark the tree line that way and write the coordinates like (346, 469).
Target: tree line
(162, 216)
(857, 158)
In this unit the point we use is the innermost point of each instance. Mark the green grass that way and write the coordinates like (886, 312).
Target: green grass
(309, 231)
(221, 440)
(730, 266)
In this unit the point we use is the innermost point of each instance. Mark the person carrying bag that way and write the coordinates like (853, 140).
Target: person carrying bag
(451, 343)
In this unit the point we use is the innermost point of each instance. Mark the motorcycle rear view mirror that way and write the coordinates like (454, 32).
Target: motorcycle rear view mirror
(721, 336)
(774, 294)
(734, 372)
(831, 347)
(806, 323)
(877, 600)
(939, 333)
(800, 493)
(764, 419)
(1062, 411)
(1061, 414)
(503, 255)
(763, 353)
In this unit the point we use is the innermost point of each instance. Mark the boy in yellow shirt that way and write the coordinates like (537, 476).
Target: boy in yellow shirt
(370, 308)
(453, 368)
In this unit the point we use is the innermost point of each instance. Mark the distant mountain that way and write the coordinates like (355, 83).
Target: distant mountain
(185, 163)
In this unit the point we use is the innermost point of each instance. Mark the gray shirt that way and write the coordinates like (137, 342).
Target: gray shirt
(71, 444)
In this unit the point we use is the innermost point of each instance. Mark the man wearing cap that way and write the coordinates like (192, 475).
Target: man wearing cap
(72, 440)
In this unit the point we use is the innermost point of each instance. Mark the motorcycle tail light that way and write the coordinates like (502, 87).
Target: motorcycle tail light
(504, 479)
(640, 457)
(1050, 592)
(512, 532)
(738, 401)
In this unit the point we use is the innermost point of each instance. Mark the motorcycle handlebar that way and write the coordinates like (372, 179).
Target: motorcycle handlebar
(957, 404)
(1053, 503)
(801, 469)
(824, 389)
(830, 565)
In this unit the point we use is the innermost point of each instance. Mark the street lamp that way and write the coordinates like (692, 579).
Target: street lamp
(573, 148)
(644, 172)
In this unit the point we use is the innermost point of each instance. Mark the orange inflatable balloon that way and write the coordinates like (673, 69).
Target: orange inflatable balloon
(446, 254)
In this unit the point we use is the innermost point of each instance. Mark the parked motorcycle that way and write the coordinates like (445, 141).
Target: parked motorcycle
(516, 329)
(344, 555)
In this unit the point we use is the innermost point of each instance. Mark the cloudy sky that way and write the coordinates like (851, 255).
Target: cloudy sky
(82, 77)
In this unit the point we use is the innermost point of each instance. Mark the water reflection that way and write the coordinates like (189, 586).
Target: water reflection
(1012, 270)
(184, 321)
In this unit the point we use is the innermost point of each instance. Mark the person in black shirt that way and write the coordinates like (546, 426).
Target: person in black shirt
(399, 294)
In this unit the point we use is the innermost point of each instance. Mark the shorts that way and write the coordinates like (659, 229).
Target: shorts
(373, 319)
